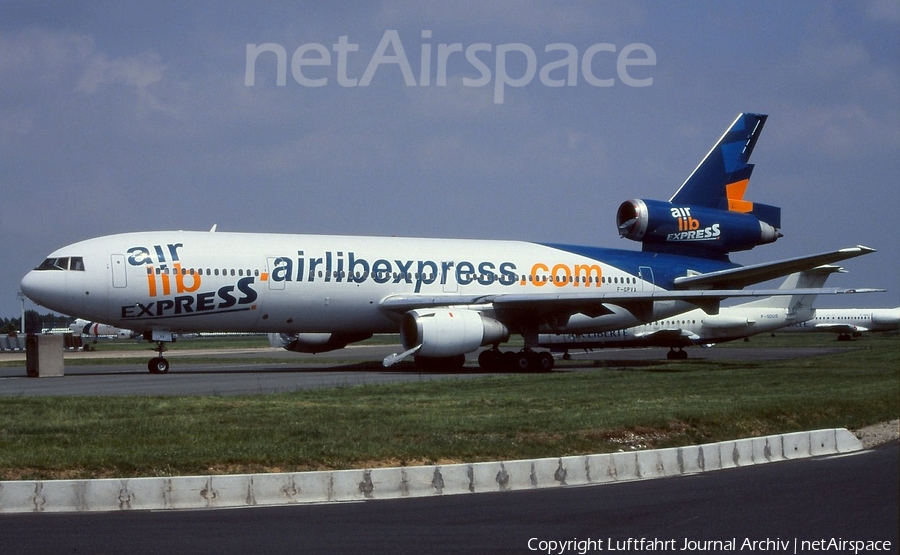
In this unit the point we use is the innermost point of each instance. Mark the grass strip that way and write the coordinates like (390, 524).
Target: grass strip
(662, 404)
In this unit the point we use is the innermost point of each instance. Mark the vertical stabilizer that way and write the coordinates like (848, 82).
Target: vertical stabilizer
(808, 279)
(721, 179)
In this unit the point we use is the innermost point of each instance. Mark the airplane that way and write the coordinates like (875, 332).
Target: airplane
(695, 327)
(94, 329)
(849, 322)
(447, 297)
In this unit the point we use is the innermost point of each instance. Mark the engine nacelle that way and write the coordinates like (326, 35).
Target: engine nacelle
(314, 342)
(446, 332)
(726, 322)
(666, 227)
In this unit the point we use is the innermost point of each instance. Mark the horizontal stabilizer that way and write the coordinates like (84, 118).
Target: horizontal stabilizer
(756, 273)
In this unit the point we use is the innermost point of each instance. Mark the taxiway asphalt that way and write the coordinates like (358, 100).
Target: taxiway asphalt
(240, 371)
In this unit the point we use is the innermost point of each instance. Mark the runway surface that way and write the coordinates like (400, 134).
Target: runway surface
(238, 371)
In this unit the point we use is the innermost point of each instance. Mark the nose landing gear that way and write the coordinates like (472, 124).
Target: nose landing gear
(158, 364)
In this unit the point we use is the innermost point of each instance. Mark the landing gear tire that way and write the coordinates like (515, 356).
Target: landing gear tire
(522, 362)
(158, 365)
(490, 359)
(544, 362)
(508, 361)
(677, 354)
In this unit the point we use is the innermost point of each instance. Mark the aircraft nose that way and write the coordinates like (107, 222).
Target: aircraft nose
(30, 286)
(66, 292)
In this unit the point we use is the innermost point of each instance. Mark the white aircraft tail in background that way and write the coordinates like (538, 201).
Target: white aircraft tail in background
(699, 328)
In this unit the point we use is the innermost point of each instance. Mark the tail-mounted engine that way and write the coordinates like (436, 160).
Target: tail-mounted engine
(695, 230)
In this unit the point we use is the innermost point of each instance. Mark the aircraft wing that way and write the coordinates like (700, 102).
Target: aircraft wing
(704, 290)
(840, 328)
(669, 337)
(556, 309)
(743, 276)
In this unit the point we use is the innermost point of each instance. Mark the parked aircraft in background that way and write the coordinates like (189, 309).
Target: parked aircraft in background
(849, 322)
(447, 297)
(94, 329)
(699, 328)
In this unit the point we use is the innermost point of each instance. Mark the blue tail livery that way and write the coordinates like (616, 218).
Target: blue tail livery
(708, 216)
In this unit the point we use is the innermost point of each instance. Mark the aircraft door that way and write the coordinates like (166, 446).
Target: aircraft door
(117, 267)
(645, 274)
(448, 279)
(272, 265)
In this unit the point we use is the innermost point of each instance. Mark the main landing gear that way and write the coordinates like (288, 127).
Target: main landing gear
(676, 353)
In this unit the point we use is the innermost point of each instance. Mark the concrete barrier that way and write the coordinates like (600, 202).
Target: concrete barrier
(16, 343)
(44, 355)
(248, 490)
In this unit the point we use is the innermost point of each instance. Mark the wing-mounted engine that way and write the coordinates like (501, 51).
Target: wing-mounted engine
(314, 342)
(692, 230)
(447, 332)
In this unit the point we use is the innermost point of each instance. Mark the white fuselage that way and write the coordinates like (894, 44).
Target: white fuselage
(694, 327)
(850, 320)
(205, 281)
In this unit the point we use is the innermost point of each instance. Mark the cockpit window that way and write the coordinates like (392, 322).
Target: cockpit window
(52, 264)
(74, 263)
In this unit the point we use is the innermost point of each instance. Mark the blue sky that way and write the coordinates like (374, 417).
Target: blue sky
(130, 116)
